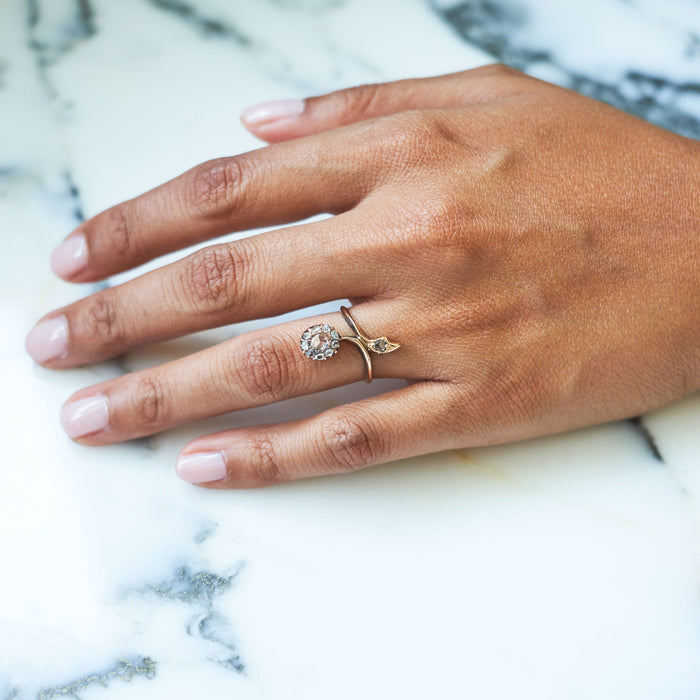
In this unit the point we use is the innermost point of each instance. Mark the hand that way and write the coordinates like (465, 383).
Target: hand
(535, 253)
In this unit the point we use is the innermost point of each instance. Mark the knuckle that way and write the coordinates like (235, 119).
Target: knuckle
(360, 101)
(415, 138)
(480, 315)
(350, 443)
(264, 463)
(442, 219)
(118, 229)
(102, 323)
(403, 130)
(149, 402)
(496, 70)
(214, 276)
(523, 392)
(218, 187)
(263, 370)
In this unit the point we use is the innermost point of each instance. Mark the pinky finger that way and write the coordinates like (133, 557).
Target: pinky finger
(402, 423)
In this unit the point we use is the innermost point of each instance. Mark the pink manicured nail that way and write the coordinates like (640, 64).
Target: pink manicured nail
(267, 112)
(85, 416)
(201, 467)
(70, 257)
(48, 340)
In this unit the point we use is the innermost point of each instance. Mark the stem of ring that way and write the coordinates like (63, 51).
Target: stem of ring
(365, 354)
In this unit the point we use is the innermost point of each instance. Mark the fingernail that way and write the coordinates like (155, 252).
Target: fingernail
(48, 340)
(201, 467)
(85, 416)
(70, 257)
(267, 112)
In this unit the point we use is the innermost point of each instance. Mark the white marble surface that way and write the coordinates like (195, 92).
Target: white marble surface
(564, 567)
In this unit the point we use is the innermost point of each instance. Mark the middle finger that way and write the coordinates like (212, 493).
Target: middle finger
(256, 277)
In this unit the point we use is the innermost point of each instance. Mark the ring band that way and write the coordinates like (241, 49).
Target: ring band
(320, 342)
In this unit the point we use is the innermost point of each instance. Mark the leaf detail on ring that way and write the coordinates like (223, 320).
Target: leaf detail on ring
(382, 345)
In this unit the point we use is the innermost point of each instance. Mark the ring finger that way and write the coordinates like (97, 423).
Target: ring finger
(255, 368)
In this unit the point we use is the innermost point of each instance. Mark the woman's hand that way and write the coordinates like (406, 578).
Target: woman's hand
(535, 253)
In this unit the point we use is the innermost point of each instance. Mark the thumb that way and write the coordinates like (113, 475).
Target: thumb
(279, 120)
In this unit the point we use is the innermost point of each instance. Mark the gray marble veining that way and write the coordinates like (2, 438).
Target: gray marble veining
(564, 567)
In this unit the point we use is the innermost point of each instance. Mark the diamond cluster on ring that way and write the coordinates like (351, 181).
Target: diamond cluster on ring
(320, 342)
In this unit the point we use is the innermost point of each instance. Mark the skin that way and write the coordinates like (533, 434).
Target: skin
(535, 253)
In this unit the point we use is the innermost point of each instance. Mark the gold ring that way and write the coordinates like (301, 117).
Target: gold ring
(320, 342)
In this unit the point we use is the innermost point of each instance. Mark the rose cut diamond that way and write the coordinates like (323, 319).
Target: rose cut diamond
(320, 342)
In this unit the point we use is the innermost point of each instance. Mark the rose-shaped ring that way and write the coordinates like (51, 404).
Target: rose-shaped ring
(320, 342)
